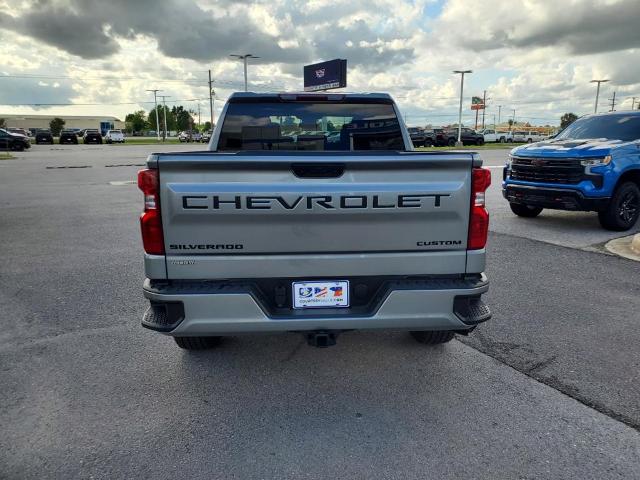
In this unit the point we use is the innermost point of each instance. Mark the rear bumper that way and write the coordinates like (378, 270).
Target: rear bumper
(222, 308)
(554, 198)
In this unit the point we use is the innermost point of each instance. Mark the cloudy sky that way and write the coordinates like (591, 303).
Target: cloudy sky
(97, 57)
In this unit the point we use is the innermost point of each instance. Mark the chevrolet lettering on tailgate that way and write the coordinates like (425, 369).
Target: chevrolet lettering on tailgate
(328, 202)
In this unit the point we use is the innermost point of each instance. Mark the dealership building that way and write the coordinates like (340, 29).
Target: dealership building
(71, 121)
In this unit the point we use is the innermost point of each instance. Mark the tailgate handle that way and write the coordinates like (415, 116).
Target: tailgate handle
(317, 170)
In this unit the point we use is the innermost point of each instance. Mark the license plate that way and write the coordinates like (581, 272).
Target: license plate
(330, 293)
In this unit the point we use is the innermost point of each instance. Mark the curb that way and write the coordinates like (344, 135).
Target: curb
(627, 247)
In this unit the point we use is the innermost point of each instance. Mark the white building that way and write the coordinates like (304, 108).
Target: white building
(71, 121)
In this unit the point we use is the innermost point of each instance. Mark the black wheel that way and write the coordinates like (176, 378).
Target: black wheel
(433, 337)
(197, 343)
(503, 140)
(479, 142)
(510, 140)
(623, 209)
(428, 143)
(527, 211)
(529, 140)
(451, 142)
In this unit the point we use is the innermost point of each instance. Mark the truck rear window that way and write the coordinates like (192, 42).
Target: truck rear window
(318, 126)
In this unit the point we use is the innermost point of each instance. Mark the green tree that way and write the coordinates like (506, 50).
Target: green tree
(567, 119)
(135, 122)
(207, 126)
(56, 125)
(3, 123)
(184, 120)
(510, 123)
(171, 120)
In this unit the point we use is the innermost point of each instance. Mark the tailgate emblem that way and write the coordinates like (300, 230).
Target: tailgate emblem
(539, 162)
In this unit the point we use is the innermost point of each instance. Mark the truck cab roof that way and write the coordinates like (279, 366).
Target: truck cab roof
(310, 96)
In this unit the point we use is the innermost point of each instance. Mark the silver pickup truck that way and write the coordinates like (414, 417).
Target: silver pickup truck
(312, 213)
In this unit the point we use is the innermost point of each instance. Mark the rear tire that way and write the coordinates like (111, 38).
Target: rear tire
(197, 343)
(623, 209)
(479, 142)
(432, 337)
(451, 142)
(527, 211)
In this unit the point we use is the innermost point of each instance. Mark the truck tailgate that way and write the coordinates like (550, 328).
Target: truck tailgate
(291, 207)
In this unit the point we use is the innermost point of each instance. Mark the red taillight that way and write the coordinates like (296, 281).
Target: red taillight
(150, 220)
(478, 217)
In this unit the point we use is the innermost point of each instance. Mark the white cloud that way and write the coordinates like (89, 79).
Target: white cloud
(531, 56)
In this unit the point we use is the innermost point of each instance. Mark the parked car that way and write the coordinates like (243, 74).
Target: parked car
(592, 165)
(417, 135)
(489, 135)
(440, 137)
(44, 137)
(429, 138)
(505, 136)
(92, 136)
(19, 131)
(206, 136)
(68, 137)
(214, 265)
(521, 136)
(13, 141)
(114, 136)
(449, 137)
(532, 137)
(189, 136)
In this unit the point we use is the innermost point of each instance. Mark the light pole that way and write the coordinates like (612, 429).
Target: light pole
(461, 72)
(211, 95)
(595, 110)
(484, 106)
(499, 111)
(164, 110)
(244, 58)
(155, 101)
(633, 103)
(514, 118)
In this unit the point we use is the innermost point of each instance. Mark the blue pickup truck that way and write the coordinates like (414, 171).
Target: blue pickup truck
(592, 165)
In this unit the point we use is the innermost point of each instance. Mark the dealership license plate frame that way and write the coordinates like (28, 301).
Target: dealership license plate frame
(312, 302)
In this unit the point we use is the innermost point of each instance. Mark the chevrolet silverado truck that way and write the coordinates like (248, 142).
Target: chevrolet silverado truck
(592, 165)
(312, 213)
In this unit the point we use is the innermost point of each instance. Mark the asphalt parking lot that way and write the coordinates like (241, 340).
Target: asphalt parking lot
(549, 388)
